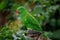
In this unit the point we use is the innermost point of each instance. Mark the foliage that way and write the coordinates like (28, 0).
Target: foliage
(39, 15)
(6, 34)
(3, 4)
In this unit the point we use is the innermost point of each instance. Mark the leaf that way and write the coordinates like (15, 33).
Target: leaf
(37, 9)
(14, 7)
(56, 34)
(5, 33)
(3, 4)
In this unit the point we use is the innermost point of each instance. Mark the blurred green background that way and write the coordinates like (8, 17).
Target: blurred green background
(17, 16)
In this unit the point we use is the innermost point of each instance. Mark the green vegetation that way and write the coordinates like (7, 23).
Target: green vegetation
(42, 16)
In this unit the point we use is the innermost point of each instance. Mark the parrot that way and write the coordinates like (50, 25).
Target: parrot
(28, 19)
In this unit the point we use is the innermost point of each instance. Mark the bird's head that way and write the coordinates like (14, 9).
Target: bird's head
(21, 10)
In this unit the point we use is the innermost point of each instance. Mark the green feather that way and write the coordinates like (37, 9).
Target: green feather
(29, 20)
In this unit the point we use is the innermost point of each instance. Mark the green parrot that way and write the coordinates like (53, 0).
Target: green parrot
(28, 20)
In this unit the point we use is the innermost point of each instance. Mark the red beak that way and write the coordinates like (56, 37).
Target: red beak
(17, 12)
